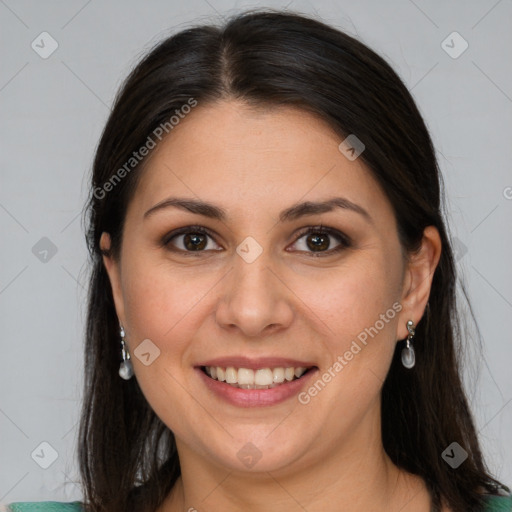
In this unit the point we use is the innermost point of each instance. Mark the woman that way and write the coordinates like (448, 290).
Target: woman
(272, 319)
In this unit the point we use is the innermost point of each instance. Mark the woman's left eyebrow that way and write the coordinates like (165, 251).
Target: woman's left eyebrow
(293, 213)
(316, 207)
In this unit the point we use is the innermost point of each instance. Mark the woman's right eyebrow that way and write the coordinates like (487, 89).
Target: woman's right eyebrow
(191, 205)
(293, 213)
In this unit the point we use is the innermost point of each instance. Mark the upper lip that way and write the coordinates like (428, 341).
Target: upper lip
(256, 363)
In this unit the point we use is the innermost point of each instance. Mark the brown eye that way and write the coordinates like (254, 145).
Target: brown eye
(319, 240)
(190, 239)
(195, 241)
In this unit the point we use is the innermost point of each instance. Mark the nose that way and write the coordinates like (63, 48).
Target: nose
(254, 299)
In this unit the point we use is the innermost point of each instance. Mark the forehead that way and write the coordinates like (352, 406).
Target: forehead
(246, 159)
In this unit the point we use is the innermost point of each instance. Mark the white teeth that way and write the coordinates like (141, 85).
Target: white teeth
(231, 375)
(289, 373)
(278, 375)
(299, 371)
(263, 378)
(246, 376)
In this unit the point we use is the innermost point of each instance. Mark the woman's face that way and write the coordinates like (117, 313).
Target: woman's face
(252, 290)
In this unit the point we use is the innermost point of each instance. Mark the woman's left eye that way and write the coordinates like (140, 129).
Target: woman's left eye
(318, 241)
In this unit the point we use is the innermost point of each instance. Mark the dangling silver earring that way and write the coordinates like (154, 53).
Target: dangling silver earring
(408, 355)
(126, 368)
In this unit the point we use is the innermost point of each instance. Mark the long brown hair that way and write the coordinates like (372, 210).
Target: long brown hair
(127, 456)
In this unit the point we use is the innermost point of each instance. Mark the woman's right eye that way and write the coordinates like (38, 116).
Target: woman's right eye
(189, 239)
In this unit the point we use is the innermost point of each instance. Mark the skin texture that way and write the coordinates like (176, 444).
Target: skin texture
(286, 303)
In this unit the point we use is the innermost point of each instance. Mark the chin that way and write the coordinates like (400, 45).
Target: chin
(259, 450)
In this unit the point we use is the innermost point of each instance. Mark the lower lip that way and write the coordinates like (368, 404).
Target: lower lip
(256, 397)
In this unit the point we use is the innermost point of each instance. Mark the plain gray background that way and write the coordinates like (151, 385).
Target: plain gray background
(52, 114)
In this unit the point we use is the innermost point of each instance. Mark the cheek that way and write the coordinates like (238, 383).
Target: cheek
(352, 298)
(359, 308)
(158, 298)
(156, 306)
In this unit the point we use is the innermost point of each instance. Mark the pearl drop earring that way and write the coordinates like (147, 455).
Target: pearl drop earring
(125, 368)
(408, 355)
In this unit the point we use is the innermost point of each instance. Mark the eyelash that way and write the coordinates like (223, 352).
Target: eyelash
(344, 241)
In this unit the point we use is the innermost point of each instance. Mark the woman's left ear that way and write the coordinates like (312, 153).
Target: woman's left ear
(418, 279)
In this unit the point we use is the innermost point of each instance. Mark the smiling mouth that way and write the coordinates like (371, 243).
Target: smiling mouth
(263, 378)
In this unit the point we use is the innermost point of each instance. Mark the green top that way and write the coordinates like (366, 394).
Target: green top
(499, 503)
(494, 504)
